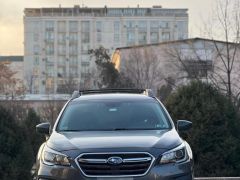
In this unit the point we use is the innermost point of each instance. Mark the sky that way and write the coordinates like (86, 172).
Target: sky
(11, 16)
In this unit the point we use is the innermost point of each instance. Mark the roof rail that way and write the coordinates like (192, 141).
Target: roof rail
(75, 94)
(147, 92)
(112, 90)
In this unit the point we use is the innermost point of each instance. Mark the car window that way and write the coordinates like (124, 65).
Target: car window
(113, 115)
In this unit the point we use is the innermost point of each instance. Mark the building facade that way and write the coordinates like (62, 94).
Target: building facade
(57, 40)
(180, 61)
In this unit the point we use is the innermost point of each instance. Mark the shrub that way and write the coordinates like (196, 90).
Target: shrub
(15, 152)
(214, 137)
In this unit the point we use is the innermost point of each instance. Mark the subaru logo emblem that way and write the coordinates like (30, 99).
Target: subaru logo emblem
(115, 160)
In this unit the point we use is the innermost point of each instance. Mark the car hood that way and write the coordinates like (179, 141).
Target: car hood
(164, 139)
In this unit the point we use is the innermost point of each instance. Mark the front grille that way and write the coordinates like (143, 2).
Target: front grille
(106, 164)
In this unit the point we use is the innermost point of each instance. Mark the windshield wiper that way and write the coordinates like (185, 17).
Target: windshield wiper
(129, 129)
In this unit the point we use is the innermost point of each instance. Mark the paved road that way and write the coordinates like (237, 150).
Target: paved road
(218, 178)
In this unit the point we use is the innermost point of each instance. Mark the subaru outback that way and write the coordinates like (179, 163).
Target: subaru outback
(114, 134)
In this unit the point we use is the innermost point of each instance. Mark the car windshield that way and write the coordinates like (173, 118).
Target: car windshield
(113, 115)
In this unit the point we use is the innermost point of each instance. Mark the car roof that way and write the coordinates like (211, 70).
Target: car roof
(113, 96)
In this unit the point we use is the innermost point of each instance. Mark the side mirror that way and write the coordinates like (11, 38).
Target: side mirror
(43, 128)
(183, 125)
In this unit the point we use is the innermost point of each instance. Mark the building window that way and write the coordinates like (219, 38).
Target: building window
(73, 71)
(154, 32)
(61, 26)
(166, 36)
(73, 26)
(62, 49)
(36, 86)
(142, 37)
(154, 37)
(85, 64)
(154, 25)
(198, 68)
(116, 31)
(49, 85)
(36, 49)
(36, 61)
(73, 49)
(49, 61)
(61, 61)
(36, 71)
(142, 25)
(205, 54)
(182, 29)
(50, 49)
(128, 12)
(85, 32)
(131, 37)
(35, 26)
(164, 24)
(85, 48)
(85, 26)
(35, 37)
(99, 26)
(62, 38)
(85, 75)
(116, 26)
(99, 31)
(116, 38)
(99, 37)
(49, 36)
(85, 37)
(73, 61)
(142, 32)
(130, 24)
(141, 12)
(62, 71)
(114, 12)
(49, 25)
(50, 70)
(73, 37)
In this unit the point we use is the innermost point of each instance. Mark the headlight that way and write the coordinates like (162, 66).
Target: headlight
(178, 154)
(51, 157)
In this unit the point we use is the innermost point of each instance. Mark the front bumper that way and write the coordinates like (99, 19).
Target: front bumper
(178, 171)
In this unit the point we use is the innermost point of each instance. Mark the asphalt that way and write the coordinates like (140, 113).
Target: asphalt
(217, 178)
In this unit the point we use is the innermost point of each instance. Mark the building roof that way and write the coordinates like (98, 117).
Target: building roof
(105, 11)
(175, 41)
(11, 58)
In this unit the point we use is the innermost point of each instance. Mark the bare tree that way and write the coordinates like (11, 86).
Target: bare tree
(226, 25)
(68, 86)
(215, 59)
(10, 86)
(29, 78)
(143, 68)
(50, 109)
(12, 91)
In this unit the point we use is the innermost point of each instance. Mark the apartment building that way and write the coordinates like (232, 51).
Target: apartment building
(57, 40)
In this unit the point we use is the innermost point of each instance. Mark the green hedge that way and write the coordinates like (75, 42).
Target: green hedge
(214, 137)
